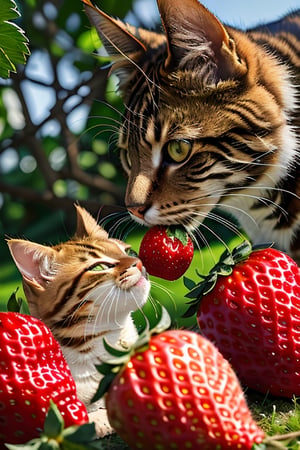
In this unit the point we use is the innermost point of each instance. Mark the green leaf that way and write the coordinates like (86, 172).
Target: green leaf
(51, 445)
(189, 284)
(35, 444)
(32, 445)
(54, 423)
(89, 40)
(14, 304)
(114, 351)
(17, 304)
(13, 42)
(225, 270)
(224, 267)
(192, 309)
(104, 386)
(242, 251)
(203, 287)
(82, 434)
(178, 233)
(55, 437)
(104, 368)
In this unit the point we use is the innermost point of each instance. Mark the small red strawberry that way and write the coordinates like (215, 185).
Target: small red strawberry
(253, 317)
(33, 371)
(166, 252)
(178, 392)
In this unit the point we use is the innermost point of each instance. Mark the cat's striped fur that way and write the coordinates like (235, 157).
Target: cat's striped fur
(85, 290)
(212, 119)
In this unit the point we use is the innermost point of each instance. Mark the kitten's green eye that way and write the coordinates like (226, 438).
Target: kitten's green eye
(131, 252)
(179, 150)
(99, 267)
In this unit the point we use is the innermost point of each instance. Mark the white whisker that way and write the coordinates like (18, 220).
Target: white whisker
(200, 236)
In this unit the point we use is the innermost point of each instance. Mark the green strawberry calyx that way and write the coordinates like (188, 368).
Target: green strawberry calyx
(55, 436)
(224, 267)
(175, 232)
(116, 359)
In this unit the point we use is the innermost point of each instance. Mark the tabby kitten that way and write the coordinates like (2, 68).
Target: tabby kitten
(211, 119)
(85, 290)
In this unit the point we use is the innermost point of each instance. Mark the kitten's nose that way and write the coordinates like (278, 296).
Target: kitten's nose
(138, 211)
(139, 265)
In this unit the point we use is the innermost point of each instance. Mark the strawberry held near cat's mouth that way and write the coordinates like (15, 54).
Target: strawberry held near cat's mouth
(210, 121)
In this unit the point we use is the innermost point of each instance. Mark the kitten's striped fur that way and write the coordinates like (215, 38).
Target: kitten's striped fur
(85, 290)
(211, 119)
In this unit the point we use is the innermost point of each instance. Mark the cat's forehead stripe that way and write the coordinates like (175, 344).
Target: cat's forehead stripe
(151, 139)
(156, 136)
(104, 247)
(156, 155)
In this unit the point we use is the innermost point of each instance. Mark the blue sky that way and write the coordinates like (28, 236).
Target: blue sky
(247, 13)
(241, 14)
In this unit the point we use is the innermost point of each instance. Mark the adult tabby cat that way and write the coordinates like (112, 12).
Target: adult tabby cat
(84, 289)
(211, 119)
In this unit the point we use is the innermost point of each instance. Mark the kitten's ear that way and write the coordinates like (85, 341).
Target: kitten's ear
(194, 32)
(34, 261)
(118, 39)
(87, 225)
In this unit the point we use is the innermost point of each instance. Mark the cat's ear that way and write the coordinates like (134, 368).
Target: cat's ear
(87, 225)
(35, 262)
(123, 47)
(194, 33)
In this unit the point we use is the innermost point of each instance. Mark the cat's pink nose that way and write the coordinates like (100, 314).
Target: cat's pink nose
(139, 265)
(138, 211)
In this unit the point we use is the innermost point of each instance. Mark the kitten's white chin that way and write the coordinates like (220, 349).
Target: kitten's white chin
(138, 293)
(144, 283)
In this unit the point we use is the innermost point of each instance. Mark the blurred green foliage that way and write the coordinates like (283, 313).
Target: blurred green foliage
(57, 131)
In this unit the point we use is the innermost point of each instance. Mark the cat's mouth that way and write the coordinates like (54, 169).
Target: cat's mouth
(134, 277)
(135, 290)
(143, 281)
(137, 217)
(151, 218)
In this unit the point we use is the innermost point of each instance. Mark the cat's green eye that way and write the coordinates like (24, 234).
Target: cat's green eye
(131, 252)
(99, 267)
(179, 150)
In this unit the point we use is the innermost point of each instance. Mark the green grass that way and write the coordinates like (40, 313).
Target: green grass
(276, 416)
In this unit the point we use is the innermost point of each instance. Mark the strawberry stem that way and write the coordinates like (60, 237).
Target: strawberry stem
(224, 267)
(280, 441)
(178, 233)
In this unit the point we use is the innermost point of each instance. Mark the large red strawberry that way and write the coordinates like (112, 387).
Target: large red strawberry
(32, 371)
(253, 316)
(178, 392)
(166, 252)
